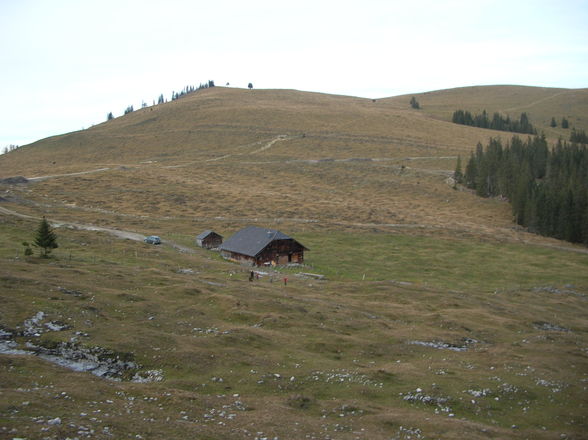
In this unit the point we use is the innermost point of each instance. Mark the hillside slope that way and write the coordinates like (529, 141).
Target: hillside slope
(540, 103)
(436, 317)
(273, 154)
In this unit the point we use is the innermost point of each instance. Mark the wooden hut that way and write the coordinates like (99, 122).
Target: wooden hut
(209, 239)
(258, 246)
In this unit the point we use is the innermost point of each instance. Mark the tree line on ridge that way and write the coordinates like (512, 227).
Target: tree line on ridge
(498, 122)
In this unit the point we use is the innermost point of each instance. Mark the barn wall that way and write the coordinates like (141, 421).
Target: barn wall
(239, 258)
(282, 252)
(212, 241)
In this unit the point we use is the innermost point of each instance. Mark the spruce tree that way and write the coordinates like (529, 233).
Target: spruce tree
(553, 122)
(458, 175)
(45, 238)
(471, 172)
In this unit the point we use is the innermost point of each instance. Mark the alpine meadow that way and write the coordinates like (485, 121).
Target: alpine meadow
(443, 292)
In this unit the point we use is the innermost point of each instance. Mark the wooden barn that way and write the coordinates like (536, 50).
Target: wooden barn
(258, 246)
(209, 239)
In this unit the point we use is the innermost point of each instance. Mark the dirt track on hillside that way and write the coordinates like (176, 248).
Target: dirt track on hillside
(80, 173)
(119, 233)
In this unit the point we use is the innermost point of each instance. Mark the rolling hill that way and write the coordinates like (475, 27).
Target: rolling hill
(438, 317)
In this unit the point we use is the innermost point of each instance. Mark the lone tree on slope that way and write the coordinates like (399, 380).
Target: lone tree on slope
(45, 238)
(414, 103)
(250, 86)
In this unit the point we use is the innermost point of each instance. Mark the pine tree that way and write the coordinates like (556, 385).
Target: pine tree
(553, 122)
(109, 116)
(458, 175)
(564, 123)
(414, 103)
(45, 238)
(471, 172)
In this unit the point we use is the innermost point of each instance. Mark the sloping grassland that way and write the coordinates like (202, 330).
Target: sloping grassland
(438, 318)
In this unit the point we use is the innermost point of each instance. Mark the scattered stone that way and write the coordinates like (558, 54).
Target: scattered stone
(439, 345)
(10, 347)
(5, 334)
(14, 180)
(555, 386)
(421, 397)
(479, 393)
(70, 291)
(148, 376)
(186, 271)
(507, 388)
(96, 360)
(343, 376)
(408, 433)
(542, 325)
(55, 421)
(32, 325)
(569, 290)
(211, 331)
(57, 326)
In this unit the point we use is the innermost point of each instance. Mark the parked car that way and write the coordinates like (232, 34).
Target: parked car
(152, 239)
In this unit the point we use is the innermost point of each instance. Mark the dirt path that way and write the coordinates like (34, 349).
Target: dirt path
(119, 233)
(271, 143)
(267, 145)
(539, 101)
(40, 178)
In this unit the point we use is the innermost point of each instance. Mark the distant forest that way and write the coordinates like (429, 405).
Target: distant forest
(547, 188)
(498, 122)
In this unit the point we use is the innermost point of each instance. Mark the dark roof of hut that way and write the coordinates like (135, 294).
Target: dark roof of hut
(206, 233)
(252, 240)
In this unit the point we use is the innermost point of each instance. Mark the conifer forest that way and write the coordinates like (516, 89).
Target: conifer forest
(547, 188)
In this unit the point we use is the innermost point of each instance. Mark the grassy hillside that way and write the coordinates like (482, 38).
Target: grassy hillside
(438, 318)
(540, 103)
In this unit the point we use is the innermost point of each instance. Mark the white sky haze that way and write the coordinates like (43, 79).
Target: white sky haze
(65, 64)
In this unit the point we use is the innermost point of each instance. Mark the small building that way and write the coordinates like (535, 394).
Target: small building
(258, 246)
(209, 239)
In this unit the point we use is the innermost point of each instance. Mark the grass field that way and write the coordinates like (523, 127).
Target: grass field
(437, 317)
(448, 263)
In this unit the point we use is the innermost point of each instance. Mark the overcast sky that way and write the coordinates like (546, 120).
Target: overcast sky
(64, 64)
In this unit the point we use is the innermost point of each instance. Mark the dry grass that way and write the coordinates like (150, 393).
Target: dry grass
(541, 104)
(441, 265)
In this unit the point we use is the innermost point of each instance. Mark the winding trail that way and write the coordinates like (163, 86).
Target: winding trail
(119, 233)
(41, 178)
(281, 137)
(539, 101)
